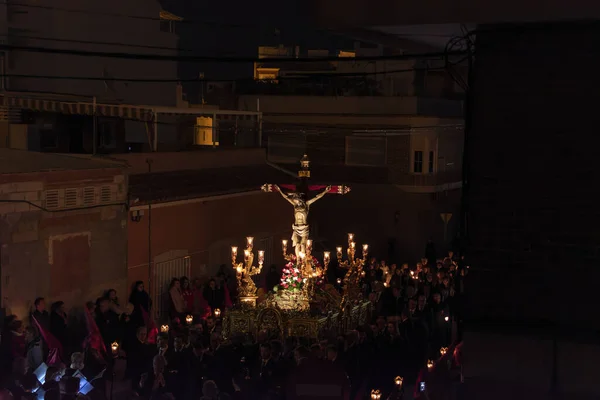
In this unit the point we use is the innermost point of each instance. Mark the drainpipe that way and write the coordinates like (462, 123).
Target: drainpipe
(94, 128)
(150, 283)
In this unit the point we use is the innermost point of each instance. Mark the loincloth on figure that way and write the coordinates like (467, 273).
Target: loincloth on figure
(299, 233)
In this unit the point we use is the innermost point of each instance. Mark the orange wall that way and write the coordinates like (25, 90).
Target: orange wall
(196, 226)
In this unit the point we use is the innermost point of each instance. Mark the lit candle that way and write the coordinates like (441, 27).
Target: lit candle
(398, 381)
(443, 351)
(339, 281)
(375, 394)
(284, 247)
(350, 237)
(326, 257)
(365, 248)
(217, 313)
(164, 328)
(114, 347)
(339, 252)
(234, 252)
(353, 245)
(189, 319)
(429, 364)
(239, 269)
(261, 256)
(246, 254)
(446, 318)
(309, 244)
(250, 240)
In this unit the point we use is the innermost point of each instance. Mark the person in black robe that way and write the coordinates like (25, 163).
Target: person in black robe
(141, 303)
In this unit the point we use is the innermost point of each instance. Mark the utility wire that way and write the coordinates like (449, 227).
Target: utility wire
(305, 76)
(157, 57)
(86, 42)
(184, 21)
(32, 204)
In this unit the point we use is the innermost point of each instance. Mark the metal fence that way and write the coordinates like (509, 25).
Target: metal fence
(161, 278)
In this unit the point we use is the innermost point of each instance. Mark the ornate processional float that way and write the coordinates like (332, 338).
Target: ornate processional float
(302, 304)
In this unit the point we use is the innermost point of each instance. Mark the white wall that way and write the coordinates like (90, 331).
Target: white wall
(91, 26)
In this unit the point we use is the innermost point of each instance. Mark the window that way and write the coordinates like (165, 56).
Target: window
(166, 26)
(48, 139)
(418, 162)
(431, 163)
(267, 74)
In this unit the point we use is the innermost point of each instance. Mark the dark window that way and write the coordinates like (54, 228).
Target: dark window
(166, 26)
(418, 162)
(431, 164)
(48, 139)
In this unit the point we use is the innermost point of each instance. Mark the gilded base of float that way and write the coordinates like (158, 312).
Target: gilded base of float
(249, 300)
(288, 301)
(286, 322)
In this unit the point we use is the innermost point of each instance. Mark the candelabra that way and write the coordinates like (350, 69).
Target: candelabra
(351, 283)
(245, 270)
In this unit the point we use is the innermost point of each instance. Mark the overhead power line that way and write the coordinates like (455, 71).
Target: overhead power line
(184, 21)
(306, 77)
(224, 59)
(100, 43)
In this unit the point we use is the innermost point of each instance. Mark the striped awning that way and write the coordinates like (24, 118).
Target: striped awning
(10, 101)
(77, 108)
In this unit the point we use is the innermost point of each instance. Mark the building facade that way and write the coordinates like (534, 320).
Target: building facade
(63, 231)
(57, 101)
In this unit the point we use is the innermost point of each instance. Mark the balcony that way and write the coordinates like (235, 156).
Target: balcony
(352, 105)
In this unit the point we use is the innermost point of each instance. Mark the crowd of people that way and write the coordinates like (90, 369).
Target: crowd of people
(417, 311)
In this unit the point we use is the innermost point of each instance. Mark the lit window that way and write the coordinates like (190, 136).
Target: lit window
(267, 74)
(418, 162)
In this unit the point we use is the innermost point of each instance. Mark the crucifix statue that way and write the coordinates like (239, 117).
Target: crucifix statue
(298, 198)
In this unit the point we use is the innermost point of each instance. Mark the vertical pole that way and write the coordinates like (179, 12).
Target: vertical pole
(155, 141)
(214, 130)
(235, 134)
(259, 122)
(94, 128)
(150, 282)
(260, 130)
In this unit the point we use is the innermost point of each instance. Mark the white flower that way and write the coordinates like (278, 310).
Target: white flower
(296, 270)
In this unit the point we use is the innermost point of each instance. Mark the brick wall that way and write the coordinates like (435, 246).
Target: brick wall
(533, 174)
(71, 256)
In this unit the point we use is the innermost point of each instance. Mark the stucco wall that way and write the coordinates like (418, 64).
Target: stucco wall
(71, 256)
(94, 28)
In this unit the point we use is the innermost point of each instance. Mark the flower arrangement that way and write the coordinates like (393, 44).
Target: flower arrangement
(291, 278)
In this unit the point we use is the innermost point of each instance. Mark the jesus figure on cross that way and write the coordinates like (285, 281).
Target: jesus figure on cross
(300, 228)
